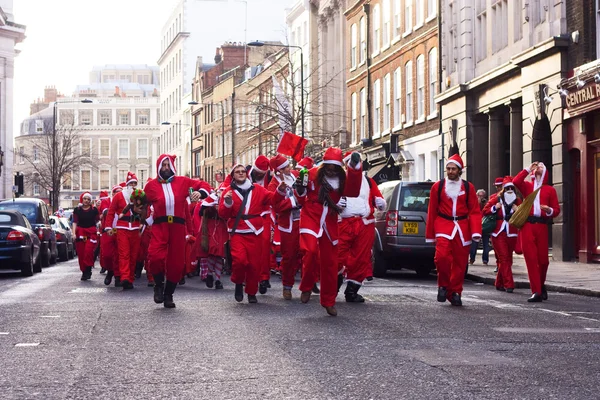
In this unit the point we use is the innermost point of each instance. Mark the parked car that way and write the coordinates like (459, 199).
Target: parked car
(400, 229)
(19, 244)
(36, 211)
(64, 238)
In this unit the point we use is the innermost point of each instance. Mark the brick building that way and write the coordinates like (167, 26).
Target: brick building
(392, 59)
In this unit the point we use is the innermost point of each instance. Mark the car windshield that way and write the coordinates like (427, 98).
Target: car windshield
(415, 198)
(27, 209)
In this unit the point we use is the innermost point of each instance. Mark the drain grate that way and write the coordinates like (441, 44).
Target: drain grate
(392, 298)
(89, 290)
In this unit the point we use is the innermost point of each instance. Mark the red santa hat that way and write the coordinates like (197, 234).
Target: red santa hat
(122, 184)
(499, 181)
(507, 181)
(162, 158)
(456, 160)
(306, 162)
(261, 164)
(233, 169)
(84, 195)
(103, 195)
(116, 189)
(333, 155)
(279, 162)
(130, 178)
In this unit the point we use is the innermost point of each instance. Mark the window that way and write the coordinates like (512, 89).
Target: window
(67, 181)
(86, 147)
(386, 23)
(397, 18)
(122, 174)
(408, 16)
(104, 179)
(142, 148)
(397, 95)
(22, 155)
(124, 118)
(353, 108)
(420, 87)
(86, 179)
(363, 114)
(481, 31)
(143, 120)
(386, 103)
(415, 198)
(104, 148)
(123, 148)
(377, 108)
(409, 88)
(431, 8)
(363, 40)
(105, 117)
(432, 80)
(353, 48)
(142, 175)
(376, 28)
(419, 12)
(500, 25)
(35, 154)
(39, 126)
(85, 117)
(36, 189)
(517, 17)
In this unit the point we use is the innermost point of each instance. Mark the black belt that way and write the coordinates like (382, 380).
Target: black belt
(126, 219)
(537, 220)
(246, 217)
(450, 218)
(170, 219)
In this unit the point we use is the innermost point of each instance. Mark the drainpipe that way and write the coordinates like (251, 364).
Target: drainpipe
(367, 10)
(440, 86)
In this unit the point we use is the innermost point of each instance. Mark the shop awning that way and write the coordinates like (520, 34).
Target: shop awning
(381, 173)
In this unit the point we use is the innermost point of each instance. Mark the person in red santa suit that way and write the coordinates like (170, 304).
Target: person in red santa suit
(85, 217)
(534, 234)
(357, 234)
(259, 175)
(247, 238)
(190, 238)
(127, 230)
(322, 201)
(453, 221)
(168, 194)
(306, 162)
(288, 223)
(102, 204)
(142, 257)
(108, 245)
(504, 237)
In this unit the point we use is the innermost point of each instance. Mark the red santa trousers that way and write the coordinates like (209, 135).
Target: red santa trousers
(504, 247)
(265, 247)
(290, 255)
(451, 259)
(108, 254)
(534, 242)
(167, 250)
(144, 244)
(128, 243)
(245, 265)
(86, 246)
(355, 247)
(319, 252)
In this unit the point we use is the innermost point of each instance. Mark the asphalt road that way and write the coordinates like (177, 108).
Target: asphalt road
(65, 339)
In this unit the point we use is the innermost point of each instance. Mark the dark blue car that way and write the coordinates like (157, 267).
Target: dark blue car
(19, 244)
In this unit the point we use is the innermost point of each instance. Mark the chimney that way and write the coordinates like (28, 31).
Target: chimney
(218, 56)
(117, 91)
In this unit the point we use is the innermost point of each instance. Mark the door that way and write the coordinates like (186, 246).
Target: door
(597, 201)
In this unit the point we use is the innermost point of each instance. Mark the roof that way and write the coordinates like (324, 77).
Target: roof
(28, 200)
(124, 67)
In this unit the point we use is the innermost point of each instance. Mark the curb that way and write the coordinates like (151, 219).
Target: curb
(549, 287)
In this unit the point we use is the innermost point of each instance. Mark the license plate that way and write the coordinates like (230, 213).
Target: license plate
(410, 228)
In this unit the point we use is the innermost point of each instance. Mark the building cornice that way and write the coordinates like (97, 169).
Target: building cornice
(172, 44)
(354, 7)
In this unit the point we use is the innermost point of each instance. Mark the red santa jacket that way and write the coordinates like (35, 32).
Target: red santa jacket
(169, 198)
(502, 224)
(546, 195)
(364, 204)
(287, 210)
(117, 205)
(259, 201)
(450, 216)
(316, 217)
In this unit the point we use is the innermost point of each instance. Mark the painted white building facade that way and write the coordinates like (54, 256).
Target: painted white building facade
(421, 155)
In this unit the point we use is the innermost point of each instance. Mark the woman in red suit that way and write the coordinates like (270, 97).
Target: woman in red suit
(534, 234)
(85, 218)
(504, 237)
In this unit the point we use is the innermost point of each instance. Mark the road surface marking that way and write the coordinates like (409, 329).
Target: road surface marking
(27, 344)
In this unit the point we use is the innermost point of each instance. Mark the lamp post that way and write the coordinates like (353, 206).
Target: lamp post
(195, 103)
(261, 44)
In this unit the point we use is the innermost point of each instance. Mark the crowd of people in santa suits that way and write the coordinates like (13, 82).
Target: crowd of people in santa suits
(454, 221)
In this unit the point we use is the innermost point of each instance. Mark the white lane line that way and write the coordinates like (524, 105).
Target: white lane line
(27, 344)
(49, 316)
(589, 319)
(4, 333)
(566, 314)
(595, 330)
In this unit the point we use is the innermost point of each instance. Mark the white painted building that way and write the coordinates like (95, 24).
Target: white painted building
(421, 155)
(11, 33)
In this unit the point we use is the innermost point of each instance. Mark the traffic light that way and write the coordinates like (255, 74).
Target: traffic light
(19, 184)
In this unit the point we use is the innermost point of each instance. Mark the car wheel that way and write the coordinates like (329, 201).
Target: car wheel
(27, 266)
(423, 271)
(72, 253)
(37, 267)
(379, 264)
(63, 254)
(45, 258)
(53, 257)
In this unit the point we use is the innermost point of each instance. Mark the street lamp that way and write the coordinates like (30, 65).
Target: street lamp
(195, 103)
(261, 44)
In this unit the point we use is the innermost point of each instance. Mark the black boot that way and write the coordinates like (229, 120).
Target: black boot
(239, 292)
(84, 276)
(159, 288)
(262, 287)
(340, 281)
(127, 285)
(88, 271)
(442, 294)
(139, 266)
(315, 289)
(268, 284)
(351, 293)
(169, 290)
(535, 298)
(108, 278)
(182, 280)
(544, 293)
(118, 281)
(102, 270)
(218, 285)
(455, 300)
(209, 281)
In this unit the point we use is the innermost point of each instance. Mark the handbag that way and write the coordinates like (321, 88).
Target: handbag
(227, 245)
(488, 224)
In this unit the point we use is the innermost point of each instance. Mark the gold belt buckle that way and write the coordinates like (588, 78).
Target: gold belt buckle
(170, 219)
(85, 238)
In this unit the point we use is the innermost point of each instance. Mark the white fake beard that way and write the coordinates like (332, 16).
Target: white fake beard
(127, 192)
(452, 189)
(510, 197)
(334, 182)
(288, 179)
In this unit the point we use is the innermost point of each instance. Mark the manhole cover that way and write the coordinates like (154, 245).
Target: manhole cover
(391, 298)
(89, 290)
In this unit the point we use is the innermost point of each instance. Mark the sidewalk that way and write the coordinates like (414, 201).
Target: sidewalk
(570, 277)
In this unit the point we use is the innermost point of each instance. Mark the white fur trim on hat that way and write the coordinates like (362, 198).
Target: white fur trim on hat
(283, 165)
(455, 163)
(83, 196)
(334, 162)
(508, 184)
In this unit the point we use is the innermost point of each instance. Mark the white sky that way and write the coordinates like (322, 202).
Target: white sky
(66, 38)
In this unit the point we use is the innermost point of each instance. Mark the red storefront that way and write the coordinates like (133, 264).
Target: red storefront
(582, 119)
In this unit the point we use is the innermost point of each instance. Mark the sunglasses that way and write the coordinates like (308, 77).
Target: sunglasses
(509, 188)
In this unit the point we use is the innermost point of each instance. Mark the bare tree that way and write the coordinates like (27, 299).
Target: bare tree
(52, 156)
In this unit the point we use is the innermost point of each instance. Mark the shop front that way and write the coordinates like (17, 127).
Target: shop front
(381, 164)
(582, 117)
